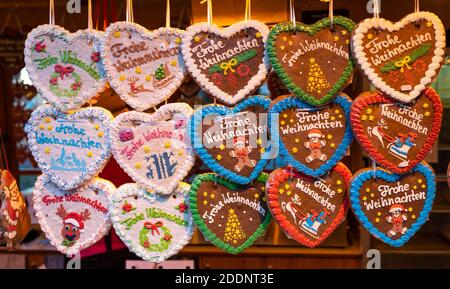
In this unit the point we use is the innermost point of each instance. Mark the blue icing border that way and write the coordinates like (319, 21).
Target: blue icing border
(294, 102)
(362, 176)
(209, 161)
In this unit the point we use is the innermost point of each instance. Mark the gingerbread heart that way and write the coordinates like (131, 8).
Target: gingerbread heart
(230, 216)
(76, 219)
(232, 141)
(227, 63)
(400, 59)
(313, 61)
(143, 67)
(311, 139)
(66, 68)
(15, 222)
(393, 207)
(307, 209)
(71, 148)
(153, 148)
(154, 227)
(397, 136)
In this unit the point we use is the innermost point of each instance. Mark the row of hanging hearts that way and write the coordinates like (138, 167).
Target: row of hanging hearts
(146, 67)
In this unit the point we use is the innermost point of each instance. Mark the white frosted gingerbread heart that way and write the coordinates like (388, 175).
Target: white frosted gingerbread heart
(153, 226)
(65, 67)
(228, 63)
(70, 148)
(153, 149)
(75, 219)
(143, 67)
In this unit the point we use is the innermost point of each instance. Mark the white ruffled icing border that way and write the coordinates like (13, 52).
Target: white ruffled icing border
(437, 60)
(89, 112)
(97, 184)
(165, 112)
(146, 34)
(228, 32)
(58, 31)
(131, 189)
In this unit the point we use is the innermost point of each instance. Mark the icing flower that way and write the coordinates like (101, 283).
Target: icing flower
(243, 70)
(95, 57)
(217, 78)
(181, 207)
(167, 237)
(54, 81)
(40, 46)
(146, 244)
(127, 207)
(76, 85)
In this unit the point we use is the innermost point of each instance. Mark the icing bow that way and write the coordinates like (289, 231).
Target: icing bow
(402, 63)
(63, 70)
(225, 66)
(153, 227)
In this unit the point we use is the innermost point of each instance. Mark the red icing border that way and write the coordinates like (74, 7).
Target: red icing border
(276, 178)
(360, 103)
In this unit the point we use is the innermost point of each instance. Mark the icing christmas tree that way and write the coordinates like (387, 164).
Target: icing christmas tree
(159, 73)
(233, 228)
(316, 78)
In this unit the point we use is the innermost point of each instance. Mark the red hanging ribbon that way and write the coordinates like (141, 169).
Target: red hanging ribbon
(153, 227)
(63, 70)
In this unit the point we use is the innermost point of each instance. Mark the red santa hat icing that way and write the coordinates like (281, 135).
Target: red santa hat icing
(239, 141)
(74, 219)
(396, 207)
(315, 133)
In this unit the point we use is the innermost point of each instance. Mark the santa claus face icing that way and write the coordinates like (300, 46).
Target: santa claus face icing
(154, 149)
(400, 59)
(70, 148)
(143, 67)
(73, 220)
(154, 227)
(313, 61)
(230, 216)
(393, 207)
(232, 142)
(65, 67)
(308, 209)
(227, 63)
(14, 217)
(311, 139)
(397, 136)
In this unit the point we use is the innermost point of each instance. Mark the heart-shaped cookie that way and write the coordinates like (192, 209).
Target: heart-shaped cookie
(154, 227)
(230, 216)
(154, 149)
(313, 61)
(311, 139)
(71, 148)
(397, 136)
(393, 207)
(143, 67)
(65, 67)
(232, 141)
(400, 59)
(76, 219)
(227, 63)
(307, 209)
(14, 217)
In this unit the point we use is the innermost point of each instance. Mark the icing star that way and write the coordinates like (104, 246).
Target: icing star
(377, 220)
(89, 154)
(117, 34)
(96, 127)
(410, 209)
(49, 127)
(332, 145)
(47, 119)
(282, 47)
(258, 34)
(367, 190)
(262, 150)
(205, 194)
(339, 191)
(148, 78)
(369, 111)
(137, 165)
(427, 113)
(180, 153)
(296, 140)
(364, 117)
(413, 216)
(364, 198)
(344, 32)
(282, 122)
(178, 40)
(294, 150)
(205, 202)
(173, 63)
(167, 145)
(47, 150)
(218, 157)
(212, 196)
(371, 118)
(329, 136)
(425, 105)
(369, 36)
(288, 193)
(290, 43)
(259, 141)
(100, 134)
(122, 77)
(336, 38)
(291, 121)
(347, 41)
(284, 38)
(338, 182)
(41, 127)
(138, 70)
(256, 196)
(197, 38)
(222, 147)
(285, 115)
(146, 149)
(429, 24)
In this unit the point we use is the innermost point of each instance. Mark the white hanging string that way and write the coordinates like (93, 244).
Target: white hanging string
(209, 10)
(292, 13)
(90, 25)
(129, 11)
(51, 13)
(331, 14)
(248, 9)
(416, 6)
(376, 9)
(167, 13)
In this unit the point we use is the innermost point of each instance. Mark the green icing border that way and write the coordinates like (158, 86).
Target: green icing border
(207, 233)
(345, 22)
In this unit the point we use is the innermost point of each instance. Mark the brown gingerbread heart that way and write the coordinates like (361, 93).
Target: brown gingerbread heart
(400, 59)
(397, 136)
(307, 209)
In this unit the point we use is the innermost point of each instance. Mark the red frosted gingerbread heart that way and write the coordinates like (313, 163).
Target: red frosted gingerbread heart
(397, 136)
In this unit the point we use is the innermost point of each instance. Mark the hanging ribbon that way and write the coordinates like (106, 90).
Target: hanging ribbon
(248, 9)
(209, 10)
(292, 13)
(90, 25)
(331, 13)
(51, 13)
(416, 6)
(376, 9)
(4, 158)
(167, 13)
(129, 12)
